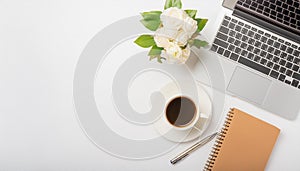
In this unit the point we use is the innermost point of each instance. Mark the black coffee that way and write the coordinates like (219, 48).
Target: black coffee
(181, 111)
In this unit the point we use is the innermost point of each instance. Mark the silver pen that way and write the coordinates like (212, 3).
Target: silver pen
(193, 148)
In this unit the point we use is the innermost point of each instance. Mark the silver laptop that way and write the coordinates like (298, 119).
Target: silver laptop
(258, 46)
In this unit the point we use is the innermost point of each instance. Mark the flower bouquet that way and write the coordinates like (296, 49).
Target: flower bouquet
(175, 32)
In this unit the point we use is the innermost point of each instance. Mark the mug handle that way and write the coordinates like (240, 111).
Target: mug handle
(197, 126)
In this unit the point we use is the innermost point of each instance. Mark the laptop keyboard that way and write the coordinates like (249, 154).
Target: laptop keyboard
(283, 13)
(259, 50)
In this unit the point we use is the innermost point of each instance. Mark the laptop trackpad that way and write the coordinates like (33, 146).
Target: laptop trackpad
(249, 85)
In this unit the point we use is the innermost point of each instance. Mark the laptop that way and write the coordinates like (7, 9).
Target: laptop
(258, 46)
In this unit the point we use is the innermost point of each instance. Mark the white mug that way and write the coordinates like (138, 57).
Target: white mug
(194, 122)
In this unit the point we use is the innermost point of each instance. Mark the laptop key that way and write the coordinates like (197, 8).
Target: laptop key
(296, 53)
(295, 68)
(282, 70)
(250, 48)
(270, 64)
(234, 56)
(275, 59)
(276, 44)
(288, 43)
(297, 61)
(221, 43)
(243, 45)
(227, 53)
(256, 51)
(288, 65)
(289, 73)
(225, 23)
(282, 62)
(290, 2)
(287, 81)
(283, 55)
(274, 74)
(220, 51)
(244, 31)
(230, 40)
(276, 67)
(237, 42)
(257, 44)
(263, 54)
(257, 58)
(214, 48)
(263, 61)
(245, 38)
(271, 49)
(250, 56)
(276, 52)
(270, 42)
(232, 33)
(282, 77)
(264, 39)
(283, 47)
(270, 57)
(296, 76)
(224, 30)
(227, 17)
(238, 50)
(222, 36)
(289, 50)
(254, 65)
(264, 47)
(290, 58)
(295, 83)
(244, 53)
(238, 36)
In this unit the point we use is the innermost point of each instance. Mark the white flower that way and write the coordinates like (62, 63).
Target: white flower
(173, 52)
(161, 41)
(162, 35)
(190, 26)
(173, 18)
(185, 54)
(182, 37)
(175, 55)
(176, 30)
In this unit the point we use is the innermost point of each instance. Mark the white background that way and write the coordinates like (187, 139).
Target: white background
(40, 43)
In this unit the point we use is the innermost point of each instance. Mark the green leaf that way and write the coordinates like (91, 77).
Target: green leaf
(198, 43)
(145, 41)
(151, 15)
(151, 20)
(155, 51)
(152, 57)
(151, 25)
(173, 3)
(201, 23)
(191, 13)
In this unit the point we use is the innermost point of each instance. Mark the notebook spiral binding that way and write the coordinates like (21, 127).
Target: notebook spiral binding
(218, 143)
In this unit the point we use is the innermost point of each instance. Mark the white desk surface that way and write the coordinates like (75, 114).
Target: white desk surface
(40, 43)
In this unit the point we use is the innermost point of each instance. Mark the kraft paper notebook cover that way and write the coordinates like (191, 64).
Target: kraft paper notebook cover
(244, 144)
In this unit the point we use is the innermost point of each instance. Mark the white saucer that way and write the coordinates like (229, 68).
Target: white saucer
(205, 107)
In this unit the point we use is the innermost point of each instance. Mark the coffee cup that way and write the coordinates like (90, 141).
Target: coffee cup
(181, 112)
(187, 127)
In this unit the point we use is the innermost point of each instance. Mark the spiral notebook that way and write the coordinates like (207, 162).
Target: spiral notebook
(245, 143)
